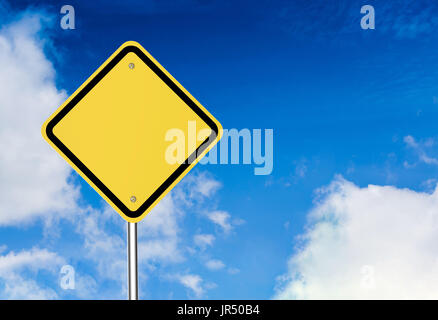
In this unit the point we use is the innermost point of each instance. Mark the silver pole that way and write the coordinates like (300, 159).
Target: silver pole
(132, 261)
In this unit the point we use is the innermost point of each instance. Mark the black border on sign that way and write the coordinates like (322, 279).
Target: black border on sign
(81, 166)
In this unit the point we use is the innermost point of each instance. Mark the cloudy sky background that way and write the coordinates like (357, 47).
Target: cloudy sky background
(350, 210)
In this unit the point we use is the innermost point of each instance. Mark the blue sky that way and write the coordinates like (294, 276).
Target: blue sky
(342, 101)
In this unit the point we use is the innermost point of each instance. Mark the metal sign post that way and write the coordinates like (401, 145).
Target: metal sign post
(132, 261)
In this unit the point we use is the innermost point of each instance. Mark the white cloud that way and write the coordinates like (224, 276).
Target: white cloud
(376, 242)
(104, 245)
(163, 219)
(300, 168)
(419, 149)
(159, 233)
(33, 178)
(192, 282)
(203, 240)
(222, 219)
(159, 250)
(198, 186)
(18, 283)
(19, 288)
(34, 259)
(233, 271)
(206, 185)
(214, 264)
(86, 287)
(429, 184)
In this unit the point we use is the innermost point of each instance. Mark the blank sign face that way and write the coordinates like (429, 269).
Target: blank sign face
(113, 131)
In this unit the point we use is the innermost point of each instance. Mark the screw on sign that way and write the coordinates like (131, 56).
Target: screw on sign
(132, 177)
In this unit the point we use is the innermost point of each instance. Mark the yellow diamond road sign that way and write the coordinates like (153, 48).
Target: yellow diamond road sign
(112, 131)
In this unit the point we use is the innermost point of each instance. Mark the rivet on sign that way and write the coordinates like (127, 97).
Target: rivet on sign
(133, 199)
(131, 65)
